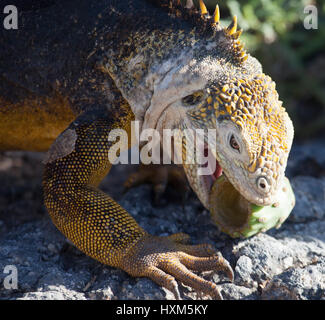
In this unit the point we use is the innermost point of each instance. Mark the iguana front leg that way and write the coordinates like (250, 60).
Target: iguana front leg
(99, 226)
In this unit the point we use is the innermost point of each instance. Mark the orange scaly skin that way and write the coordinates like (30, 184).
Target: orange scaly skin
(106, 63)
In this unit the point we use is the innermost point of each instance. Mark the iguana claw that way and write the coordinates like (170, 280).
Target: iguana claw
(165, 260)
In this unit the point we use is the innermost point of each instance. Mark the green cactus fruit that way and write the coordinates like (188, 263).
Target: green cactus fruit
(234, 215)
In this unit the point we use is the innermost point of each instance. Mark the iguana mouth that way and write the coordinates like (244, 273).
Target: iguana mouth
(208, 180)
(218, 172)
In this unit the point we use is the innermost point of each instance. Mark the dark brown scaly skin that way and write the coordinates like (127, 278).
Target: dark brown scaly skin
(51, 72)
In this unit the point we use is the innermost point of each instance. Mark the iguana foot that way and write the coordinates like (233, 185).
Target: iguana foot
(167, 259)
(159, 176)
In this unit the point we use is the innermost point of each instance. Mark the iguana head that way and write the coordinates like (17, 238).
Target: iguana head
(253, 136)
(183, 70)
(227, 91)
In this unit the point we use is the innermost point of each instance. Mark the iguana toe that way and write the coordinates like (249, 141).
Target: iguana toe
(167, 259)
(199, 250)
(180, 237)
(164, 280)
(187, 277)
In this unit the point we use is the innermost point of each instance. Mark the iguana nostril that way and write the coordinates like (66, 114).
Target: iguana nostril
(263, 184)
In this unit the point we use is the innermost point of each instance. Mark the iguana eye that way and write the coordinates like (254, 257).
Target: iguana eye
(234, 144)
(193, 99)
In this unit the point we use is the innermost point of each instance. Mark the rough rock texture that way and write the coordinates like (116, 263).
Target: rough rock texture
(288, 263)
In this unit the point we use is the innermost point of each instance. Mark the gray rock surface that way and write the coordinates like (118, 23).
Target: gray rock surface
(288, 263)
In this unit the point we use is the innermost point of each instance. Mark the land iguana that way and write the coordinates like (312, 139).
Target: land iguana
(76, 70)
